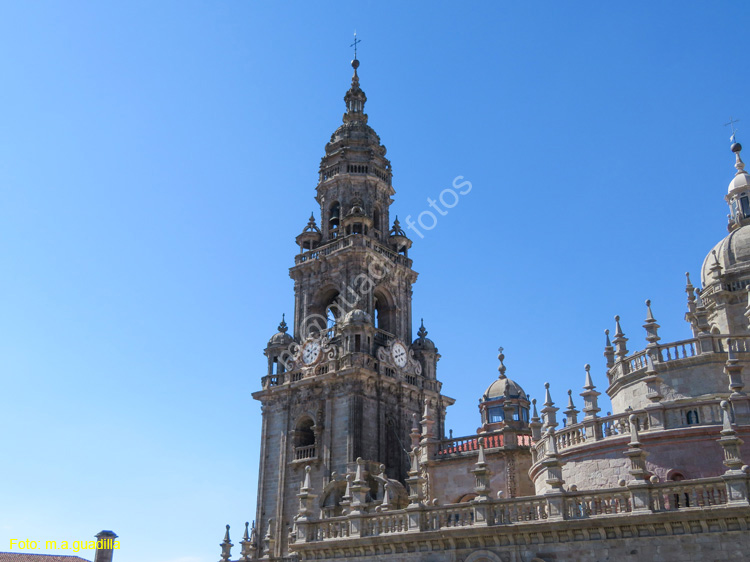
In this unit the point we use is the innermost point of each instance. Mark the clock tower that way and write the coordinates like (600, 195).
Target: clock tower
(344, 390)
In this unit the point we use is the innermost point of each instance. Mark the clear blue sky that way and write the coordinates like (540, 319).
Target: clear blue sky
(157, 160)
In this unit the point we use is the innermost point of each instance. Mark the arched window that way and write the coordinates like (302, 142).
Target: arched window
(304, 439)
(692, 417)
(376, 219)
(334, 218)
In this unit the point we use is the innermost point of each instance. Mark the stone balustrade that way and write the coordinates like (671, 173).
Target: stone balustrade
(705, 493)
(352, 240)
(678, 415)
(676, 351)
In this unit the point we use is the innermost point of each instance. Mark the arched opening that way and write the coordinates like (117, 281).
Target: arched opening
(324, 312)
(304, 439)
(691, 417)
(384, 311)
(334, 219)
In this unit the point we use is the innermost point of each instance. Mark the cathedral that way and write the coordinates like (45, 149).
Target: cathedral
(355, 462)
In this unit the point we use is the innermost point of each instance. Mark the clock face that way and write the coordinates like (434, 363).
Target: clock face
(399, 354)
(310, 352)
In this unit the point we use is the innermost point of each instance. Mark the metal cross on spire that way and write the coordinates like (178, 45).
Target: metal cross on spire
(356, 41)
(731, 123)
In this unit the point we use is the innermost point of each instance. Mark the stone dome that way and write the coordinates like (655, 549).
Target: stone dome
(733, 254)
(423, 343)
(498, 389)
(739, 182)
(357, 316)
(280, 338)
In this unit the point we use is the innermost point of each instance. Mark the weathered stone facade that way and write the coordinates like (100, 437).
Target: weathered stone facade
(354, 458)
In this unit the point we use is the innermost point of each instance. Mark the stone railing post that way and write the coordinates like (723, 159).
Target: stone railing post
(735, 478)
(482, 487)
(268, 541)
(552, 464)
(306, 501)
(591, 407)
(414, 481)
(226, 547)
(639, 486)
(247, 543)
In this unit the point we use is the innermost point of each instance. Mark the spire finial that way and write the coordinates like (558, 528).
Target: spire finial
(283, 327)
(422, 333)
(500, 358)
(356, 42)
(733, 138)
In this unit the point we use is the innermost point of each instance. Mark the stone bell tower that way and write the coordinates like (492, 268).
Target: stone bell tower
(348, 383)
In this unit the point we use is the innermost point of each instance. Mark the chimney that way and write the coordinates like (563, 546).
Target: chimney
(105, 545)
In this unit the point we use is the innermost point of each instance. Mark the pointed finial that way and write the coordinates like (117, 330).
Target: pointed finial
(547, 398)
(422, 333)
(306, 484)
(570, 399)
(534, 413)
(226, 546)
(650, 315)
(620, 342)
(500, 358)
(246, 535)
(651, 327)
(633, 428)
(618, 328)
(726, 416)
(480, 459)
(589, 383)
(283, 327)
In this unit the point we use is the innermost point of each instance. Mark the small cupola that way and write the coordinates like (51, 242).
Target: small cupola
(278, 349)
(504, 403)
(738, 194)
(355, 99)
(356, 220)
(310, 236)
(398, 240)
